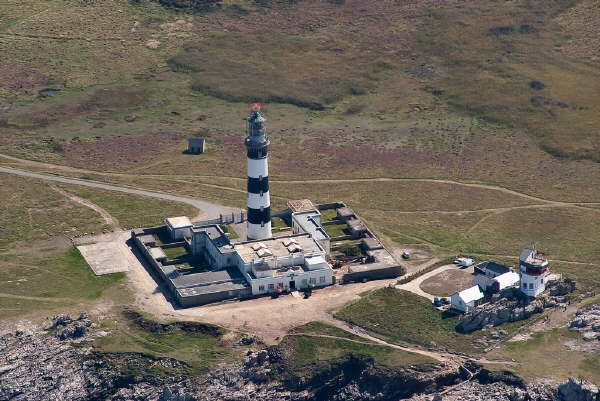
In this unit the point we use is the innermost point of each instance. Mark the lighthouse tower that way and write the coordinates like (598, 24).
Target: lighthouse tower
(534, 272)
(259, 202)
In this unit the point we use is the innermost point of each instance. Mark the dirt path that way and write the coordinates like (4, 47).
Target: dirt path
(110, 220)
(325, 181)
(414, 286)
(24, 297)
(211, 210)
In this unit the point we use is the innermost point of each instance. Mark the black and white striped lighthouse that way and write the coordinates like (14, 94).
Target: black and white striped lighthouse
(259, 201)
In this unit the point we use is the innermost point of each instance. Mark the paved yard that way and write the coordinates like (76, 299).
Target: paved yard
(105, 257)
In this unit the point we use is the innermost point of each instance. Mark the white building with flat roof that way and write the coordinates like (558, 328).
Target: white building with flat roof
(179, 227)
(293, 262)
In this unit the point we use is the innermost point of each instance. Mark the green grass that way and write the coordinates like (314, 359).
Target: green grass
(199, 350)
(31, 211)
(176, 252)
(546, 355)
(278, 222)
(134, 210)
(229, 230)
(328, 215)
(336, 230)
(310, 76)
(326, 329)
(312, 355)
(62, 281)
(403, 317)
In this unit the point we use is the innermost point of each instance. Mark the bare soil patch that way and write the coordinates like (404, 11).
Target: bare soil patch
(448, 282)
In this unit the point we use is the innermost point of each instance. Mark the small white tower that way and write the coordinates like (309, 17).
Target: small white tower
(534, 272)
(259, 202)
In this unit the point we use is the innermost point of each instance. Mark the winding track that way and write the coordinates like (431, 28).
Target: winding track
(211, 210)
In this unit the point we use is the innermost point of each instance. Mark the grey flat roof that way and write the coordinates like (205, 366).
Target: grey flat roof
(211, 289)
(190, 280)
(493, 267)
(372, 243)
(214, 233)
(345, 211)
(308, 223)
(356, 225)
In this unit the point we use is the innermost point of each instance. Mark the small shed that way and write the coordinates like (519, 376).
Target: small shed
(179, 227)
(357, 227)
(466, 300)
(301, 205)
(345, 213)
(196, 145)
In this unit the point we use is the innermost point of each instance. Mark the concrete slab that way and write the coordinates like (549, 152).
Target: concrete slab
(105, 257)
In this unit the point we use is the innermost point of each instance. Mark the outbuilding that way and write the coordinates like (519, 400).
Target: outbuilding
(196, 145)
(485, 272)
(179, 227)
(466, 300)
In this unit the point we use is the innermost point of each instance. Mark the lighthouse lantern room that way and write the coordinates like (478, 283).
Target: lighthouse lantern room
(534, 272)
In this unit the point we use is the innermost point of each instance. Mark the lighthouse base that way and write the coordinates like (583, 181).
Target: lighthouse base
(258, 231)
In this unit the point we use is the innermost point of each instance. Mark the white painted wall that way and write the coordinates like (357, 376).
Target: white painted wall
(256, 231)
(258, 168)
(255, 201)
(532, 285)
(323, 277)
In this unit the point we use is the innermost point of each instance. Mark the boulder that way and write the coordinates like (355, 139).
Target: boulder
(578, 390)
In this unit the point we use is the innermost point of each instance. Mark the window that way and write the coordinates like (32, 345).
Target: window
(313, 280)
(304, 282)
(279, 285)
(261, 288)
(531, 286)
(271, 286)
(524, 286)
(322, 279)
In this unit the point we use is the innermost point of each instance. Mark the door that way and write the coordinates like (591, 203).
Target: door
(292, 285)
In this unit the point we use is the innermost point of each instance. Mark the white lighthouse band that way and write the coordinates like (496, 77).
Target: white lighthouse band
(259, 202)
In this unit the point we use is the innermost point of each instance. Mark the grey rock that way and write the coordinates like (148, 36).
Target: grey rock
(578, 390)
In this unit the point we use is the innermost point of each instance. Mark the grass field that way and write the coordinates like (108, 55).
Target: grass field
(311, 355)
(498, 93)
(30, 285)
(133, 210)
(31, 211)
(199, 349)
(546, 355)
(403, 317)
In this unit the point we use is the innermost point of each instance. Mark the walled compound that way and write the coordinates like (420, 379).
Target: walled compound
(201, 262)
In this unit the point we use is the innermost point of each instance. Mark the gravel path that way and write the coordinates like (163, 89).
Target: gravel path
(414, 286)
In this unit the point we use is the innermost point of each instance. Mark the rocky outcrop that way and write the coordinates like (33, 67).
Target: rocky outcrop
(512, 306)
(497, 313)
(578, 390)
(65, 328)
(587, 322)
(38, 366)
